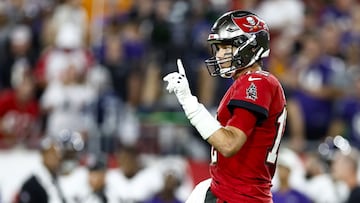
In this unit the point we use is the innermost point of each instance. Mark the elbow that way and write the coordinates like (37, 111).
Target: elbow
(229, 150)
(229, 143)
(228, 154)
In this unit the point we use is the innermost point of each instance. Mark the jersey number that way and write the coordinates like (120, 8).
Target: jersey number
(272, 154)
(213, 155)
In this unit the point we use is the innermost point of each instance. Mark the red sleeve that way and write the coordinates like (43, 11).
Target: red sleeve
(244, 120)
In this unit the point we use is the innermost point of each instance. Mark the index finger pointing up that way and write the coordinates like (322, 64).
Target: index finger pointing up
(180, 67)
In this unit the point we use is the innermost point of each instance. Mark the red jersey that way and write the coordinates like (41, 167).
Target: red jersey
(247, 175)
(19, 120)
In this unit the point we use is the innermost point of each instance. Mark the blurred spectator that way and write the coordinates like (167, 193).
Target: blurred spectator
(19, 52)
(132, 181)
(42, 186)
(280, 61)
(68, 50)
(330, 32)
(347, 120)
(199, 25)
(319, 181)
(134, 53)
(122, 53)
(297, 178)
(92, 181)
(338, 11)
(177, 183)
(350, 46)
(312, 11)
(345, 168)
(284, 17)
(315, 91)
(69, 12)
(122, 63)
(19, 111)
(285, 192)
(161, 51)
(351, 36)
(112, 57)
(97, 179)
(65, 101)
(161, 34)
(167, 194)
(113, 118)
(106, 111)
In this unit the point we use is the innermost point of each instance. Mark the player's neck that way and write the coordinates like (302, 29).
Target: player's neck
(253, 68)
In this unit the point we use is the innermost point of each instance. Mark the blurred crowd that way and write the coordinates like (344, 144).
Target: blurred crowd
(95, 67)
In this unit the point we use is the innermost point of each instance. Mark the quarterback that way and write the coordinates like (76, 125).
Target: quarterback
(246, 133)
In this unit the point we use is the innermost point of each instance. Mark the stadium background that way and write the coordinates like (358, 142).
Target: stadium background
(96, 67)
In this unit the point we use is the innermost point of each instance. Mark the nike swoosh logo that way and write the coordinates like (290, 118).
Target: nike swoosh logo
(253, 79)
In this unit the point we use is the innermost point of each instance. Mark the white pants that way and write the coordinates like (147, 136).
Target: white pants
(199, 192)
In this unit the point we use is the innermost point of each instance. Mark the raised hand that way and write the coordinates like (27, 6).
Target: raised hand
(199, 117)
(178, 83)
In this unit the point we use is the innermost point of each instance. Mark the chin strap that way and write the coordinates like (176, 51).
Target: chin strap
(227, 72)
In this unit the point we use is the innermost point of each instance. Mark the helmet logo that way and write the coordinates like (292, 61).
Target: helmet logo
(250, 20)
(250, 24)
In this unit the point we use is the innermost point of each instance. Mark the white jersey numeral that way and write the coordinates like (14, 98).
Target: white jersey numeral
(213, 155)
(272, 154)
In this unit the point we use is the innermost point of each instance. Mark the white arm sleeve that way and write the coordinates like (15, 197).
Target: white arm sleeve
(200, 117)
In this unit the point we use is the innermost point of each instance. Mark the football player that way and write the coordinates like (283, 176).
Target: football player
(251, 116)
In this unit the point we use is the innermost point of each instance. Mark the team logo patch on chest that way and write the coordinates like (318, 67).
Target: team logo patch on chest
(251, 92)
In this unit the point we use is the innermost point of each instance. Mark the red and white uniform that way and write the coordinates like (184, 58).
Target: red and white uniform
(246, 176)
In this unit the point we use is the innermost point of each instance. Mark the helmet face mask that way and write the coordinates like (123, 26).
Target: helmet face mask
(218, 66)
(248, 34)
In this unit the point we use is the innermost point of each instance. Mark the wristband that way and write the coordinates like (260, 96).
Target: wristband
(203, 121)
